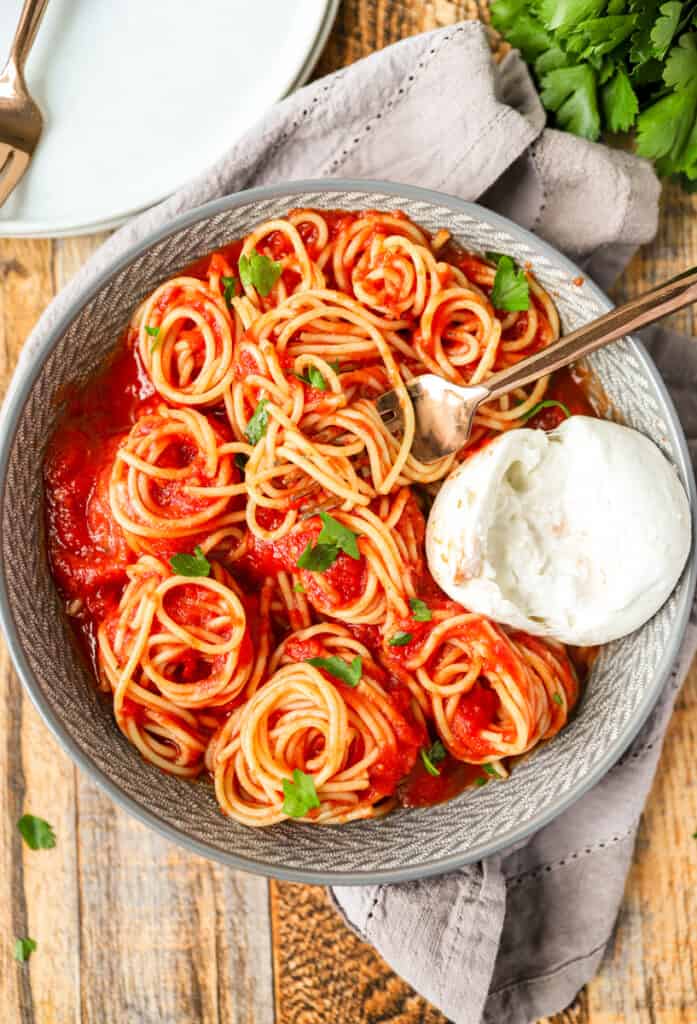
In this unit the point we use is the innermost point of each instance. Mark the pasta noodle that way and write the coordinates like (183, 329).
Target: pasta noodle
(240, 539)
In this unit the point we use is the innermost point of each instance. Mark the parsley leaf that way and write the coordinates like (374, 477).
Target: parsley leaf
(620, 103)
(300, 794)
(258, 423)
(257, 271)
(435, 753)
(480, 781)
(660, 129)
(317, 558)
(313, 378)
(613, 65)
(522, 29)
(37, 833)
(298, 588)
(400, 639)
(557, 698)
(665, 28)
(339, 536)
(490, 770)
(564, 15)
(349, 673)
(420, 610)
(667, 130)
(549, 403)
(241, 461)
(511, 291)
(597, 37)
(191, 565)
(571, 93)
(24, 948)
(229, 288)
(154, 333)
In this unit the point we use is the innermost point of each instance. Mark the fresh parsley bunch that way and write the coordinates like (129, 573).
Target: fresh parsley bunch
(615, 66)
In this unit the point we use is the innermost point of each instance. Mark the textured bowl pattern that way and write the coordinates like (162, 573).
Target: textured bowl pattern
(625, 680)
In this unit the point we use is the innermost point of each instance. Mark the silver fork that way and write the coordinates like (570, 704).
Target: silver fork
(20, 118)
(444, 411)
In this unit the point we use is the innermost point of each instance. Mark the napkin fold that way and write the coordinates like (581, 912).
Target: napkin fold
(515, 937)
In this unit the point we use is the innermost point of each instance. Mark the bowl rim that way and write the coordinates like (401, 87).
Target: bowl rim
(23, 381)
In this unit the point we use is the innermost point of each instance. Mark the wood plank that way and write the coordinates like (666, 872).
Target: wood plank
(165, 936)
(193, 938)
(650, 972)
(649, 975)
(363, 26)
(326, 975)
(35, 777)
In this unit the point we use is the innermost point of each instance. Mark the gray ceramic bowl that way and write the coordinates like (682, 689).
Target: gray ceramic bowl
(626, 679)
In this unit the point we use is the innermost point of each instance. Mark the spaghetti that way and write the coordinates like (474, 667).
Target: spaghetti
(240, 540)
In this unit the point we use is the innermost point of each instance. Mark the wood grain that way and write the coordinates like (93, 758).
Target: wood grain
(130, 928)
(133, 930)
(324, 973)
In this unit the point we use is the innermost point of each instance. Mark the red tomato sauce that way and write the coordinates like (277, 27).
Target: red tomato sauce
(87, 550)
(89, 555)
(565, 387)
(421, 789)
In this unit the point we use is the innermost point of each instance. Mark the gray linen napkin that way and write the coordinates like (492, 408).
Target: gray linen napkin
(513, 938)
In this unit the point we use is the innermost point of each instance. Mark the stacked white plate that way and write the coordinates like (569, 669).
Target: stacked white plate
(139, 96)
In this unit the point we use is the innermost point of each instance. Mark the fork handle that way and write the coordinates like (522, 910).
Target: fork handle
(28, 25)
(645, 309)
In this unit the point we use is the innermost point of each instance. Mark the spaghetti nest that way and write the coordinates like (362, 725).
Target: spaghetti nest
(276, 624)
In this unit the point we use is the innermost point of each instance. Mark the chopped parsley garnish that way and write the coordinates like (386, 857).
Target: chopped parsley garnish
(257, 425)
(511, 291)
(334, 532)
(257, 271)
(241, 461)
(349, 673)
(313, 378)
(333, 538)
(556, 697)
(420, 610)
(317, 558)
(400, 639)
(300, 794)
(298, 588)
(570, 93)
(191, 565)
(154, 333)
(37, 833)
(229, 288)
(480, 781)
(24, 948)
(549, 403)
(435, 753)
(335, 365)
(490, 770)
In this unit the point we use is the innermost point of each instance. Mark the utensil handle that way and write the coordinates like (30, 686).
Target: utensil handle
(645, 309)
(27, 27)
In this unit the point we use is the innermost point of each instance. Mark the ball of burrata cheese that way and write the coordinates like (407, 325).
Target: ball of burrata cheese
(579, 534)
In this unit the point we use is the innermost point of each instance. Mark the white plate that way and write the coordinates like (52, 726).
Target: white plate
(139, 96)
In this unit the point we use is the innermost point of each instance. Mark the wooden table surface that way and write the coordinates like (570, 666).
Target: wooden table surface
(133, 930)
